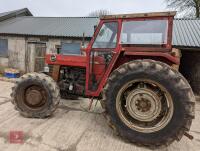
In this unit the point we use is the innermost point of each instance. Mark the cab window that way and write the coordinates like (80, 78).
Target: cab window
(147, 32)
(107, 36)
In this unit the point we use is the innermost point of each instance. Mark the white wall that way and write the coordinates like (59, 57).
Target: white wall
(16, 52)
(51, 45)
(18, 55)
(3, 61)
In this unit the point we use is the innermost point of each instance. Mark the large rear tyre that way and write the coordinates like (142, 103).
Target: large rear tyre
(35, 95)
(148, 103)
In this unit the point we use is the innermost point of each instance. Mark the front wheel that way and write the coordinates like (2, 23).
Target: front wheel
(148, 103)
(35, 95)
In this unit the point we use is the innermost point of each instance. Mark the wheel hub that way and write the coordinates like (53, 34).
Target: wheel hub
(34, 97)
(143, 104)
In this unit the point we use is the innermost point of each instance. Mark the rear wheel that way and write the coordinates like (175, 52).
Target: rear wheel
(35, 95)
(144, 105)
(148, 103)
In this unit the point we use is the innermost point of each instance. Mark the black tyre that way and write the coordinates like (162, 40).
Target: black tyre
(148, 103)
(35, 95)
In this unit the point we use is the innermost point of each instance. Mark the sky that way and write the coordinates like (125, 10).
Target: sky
(66, 8)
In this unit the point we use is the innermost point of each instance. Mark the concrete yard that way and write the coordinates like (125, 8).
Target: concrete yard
(72, 128)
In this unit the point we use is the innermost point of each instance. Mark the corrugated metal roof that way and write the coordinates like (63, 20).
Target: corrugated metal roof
(50, 26)
(4, 14)
(15, 13)
(186, 32)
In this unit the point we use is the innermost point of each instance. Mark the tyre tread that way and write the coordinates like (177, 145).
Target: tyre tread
(159, 67)
(54, 90)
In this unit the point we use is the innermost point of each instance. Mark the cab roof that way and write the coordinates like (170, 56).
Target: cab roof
(141, 15)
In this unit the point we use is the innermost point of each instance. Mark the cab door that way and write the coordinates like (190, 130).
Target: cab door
(102, 54)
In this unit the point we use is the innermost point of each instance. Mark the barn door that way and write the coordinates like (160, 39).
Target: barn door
(40, 51)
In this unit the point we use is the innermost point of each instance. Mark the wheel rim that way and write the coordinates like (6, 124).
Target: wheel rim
(35, 97)
(144, 105)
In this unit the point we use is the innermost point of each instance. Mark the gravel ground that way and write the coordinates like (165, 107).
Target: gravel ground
(72, 128)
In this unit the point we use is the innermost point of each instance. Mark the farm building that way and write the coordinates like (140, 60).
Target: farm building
(25, 39)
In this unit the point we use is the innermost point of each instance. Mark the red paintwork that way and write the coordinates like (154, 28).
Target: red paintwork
(78, 61)
(75, 61)
(166, 55)
(99, 67)
(161, 53)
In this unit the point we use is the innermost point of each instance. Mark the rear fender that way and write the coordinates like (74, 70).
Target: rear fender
(166, 57)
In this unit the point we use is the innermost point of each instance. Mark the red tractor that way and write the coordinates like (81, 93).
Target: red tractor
(130, 66)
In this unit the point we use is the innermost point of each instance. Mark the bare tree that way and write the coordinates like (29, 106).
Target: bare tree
(99, 13)
(186, 7)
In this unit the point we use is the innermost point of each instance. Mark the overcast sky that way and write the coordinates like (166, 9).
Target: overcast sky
(82, 7)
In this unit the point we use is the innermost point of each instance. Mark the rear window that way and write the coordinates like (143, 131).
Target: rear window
(150, 32)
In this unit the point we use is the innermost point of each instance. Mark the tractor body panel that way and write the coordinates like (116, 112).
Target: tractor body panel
(66, 60)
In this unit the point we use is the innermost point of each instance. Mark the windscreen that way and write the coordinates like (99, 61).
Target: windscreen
(107, 36)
